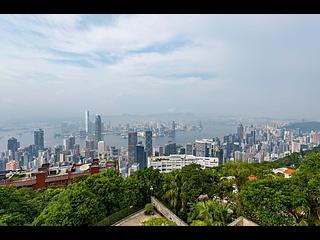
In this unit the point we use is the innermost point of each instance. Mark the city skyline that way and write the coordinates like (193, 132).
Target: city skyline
(246, 65)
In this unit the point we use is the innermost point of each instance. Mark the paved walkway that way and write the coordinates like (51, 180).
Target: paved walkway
(136, 219)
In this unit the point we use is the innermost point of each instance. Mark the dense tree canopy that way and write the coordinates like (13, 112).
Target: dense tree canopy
(267, 199)
(211, 213)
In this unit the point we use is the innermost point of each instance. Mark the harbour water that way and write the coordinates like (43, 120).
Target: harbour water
(210, 130)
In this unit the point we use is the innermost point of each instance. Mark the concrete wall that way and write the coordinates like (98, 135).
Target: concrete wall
(241, 221)
(166, 212)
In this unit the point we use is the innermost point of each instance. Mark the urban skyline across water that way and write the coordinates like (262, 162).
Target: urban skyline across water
(214, 127)
(25, 136)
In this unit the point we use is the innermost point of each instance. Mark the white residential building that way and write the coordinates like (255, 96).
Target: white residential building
(178, 161)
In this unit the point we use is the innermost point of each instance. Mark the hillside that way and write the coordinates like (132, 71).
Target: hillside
(304, 126)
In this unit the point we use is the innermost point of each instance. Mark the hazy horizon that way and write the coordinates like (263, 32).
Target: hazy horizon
(58, 66)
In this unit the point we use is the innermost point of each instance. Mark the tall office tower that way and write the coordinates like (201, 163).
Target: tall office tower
(141, 155)
(89, 144)
(25, 158)
(57, 151)
(69, 143)
(98, 129)
(114, 152)
(39, 139)
(240, 130)
(253, 134)
(173, 125)
(170, 148)
(173, 130)
(87, 122)
(189, 149)
(148, 142)
(101, 147)
(72, 142)
(66, 144)
(132, 142)
(13, 145)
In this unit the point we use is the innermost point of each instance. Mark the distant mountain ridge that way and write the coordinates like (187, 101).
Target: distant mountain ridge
(304, 126)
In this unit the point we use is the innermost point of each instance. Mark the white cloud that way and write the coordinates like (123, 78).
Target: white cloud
(135, 62)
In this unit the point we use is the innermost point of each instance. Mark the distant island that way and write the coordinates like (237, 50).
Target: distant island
(304, 126)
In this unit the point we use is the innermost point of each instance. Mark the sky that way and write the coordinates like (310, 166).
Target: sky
(215, 65)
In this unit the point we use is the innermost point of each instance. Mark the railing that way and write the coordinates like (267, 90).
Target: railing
(166, 212)
(113, 218)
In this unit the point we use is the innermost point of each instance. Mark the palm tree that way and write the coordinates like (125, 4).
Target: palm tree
(213, 213)
(172, 195)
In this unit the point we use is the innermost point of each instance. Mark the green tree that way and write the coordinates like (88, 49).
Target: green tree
(172, 190)
(306, 180)
(15, 206)
(271, 202)
(76, 206)
(211, 212)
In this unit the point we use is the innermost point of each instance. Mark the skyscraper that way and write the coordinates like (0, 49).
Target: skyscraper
(69, 142)
(132, 142)
(170, 148)
(39, 139)
(148, 142)
(89, 144)
(240, 130)
(13, 146)
(172, 132)
(202, 148)
(72, 141)
(189, 149)
(101, 147)
(98, 129)
(141, 155)
(87, 122)
(66, 144)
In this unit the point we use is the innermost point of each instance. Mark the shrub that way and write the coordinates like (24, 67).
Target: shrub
(149, 208)
(159, 221)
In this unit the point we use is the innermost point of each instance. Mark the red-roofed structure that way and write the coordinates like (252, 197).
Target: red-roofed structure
(42, 178)
(252, 177)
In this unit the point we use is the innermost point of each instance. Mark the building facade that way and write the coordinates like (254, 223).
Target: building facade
(98, 129)
(177, 161)
(39, 139)
(148, 142)
(132, 143)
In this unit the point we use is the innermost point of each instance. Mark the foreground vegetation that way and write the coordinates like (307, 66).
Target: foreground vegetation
(270, 200)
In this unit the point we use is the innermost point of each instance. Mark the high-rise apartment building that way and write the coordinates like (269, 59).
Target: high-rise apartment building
(202, 147)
